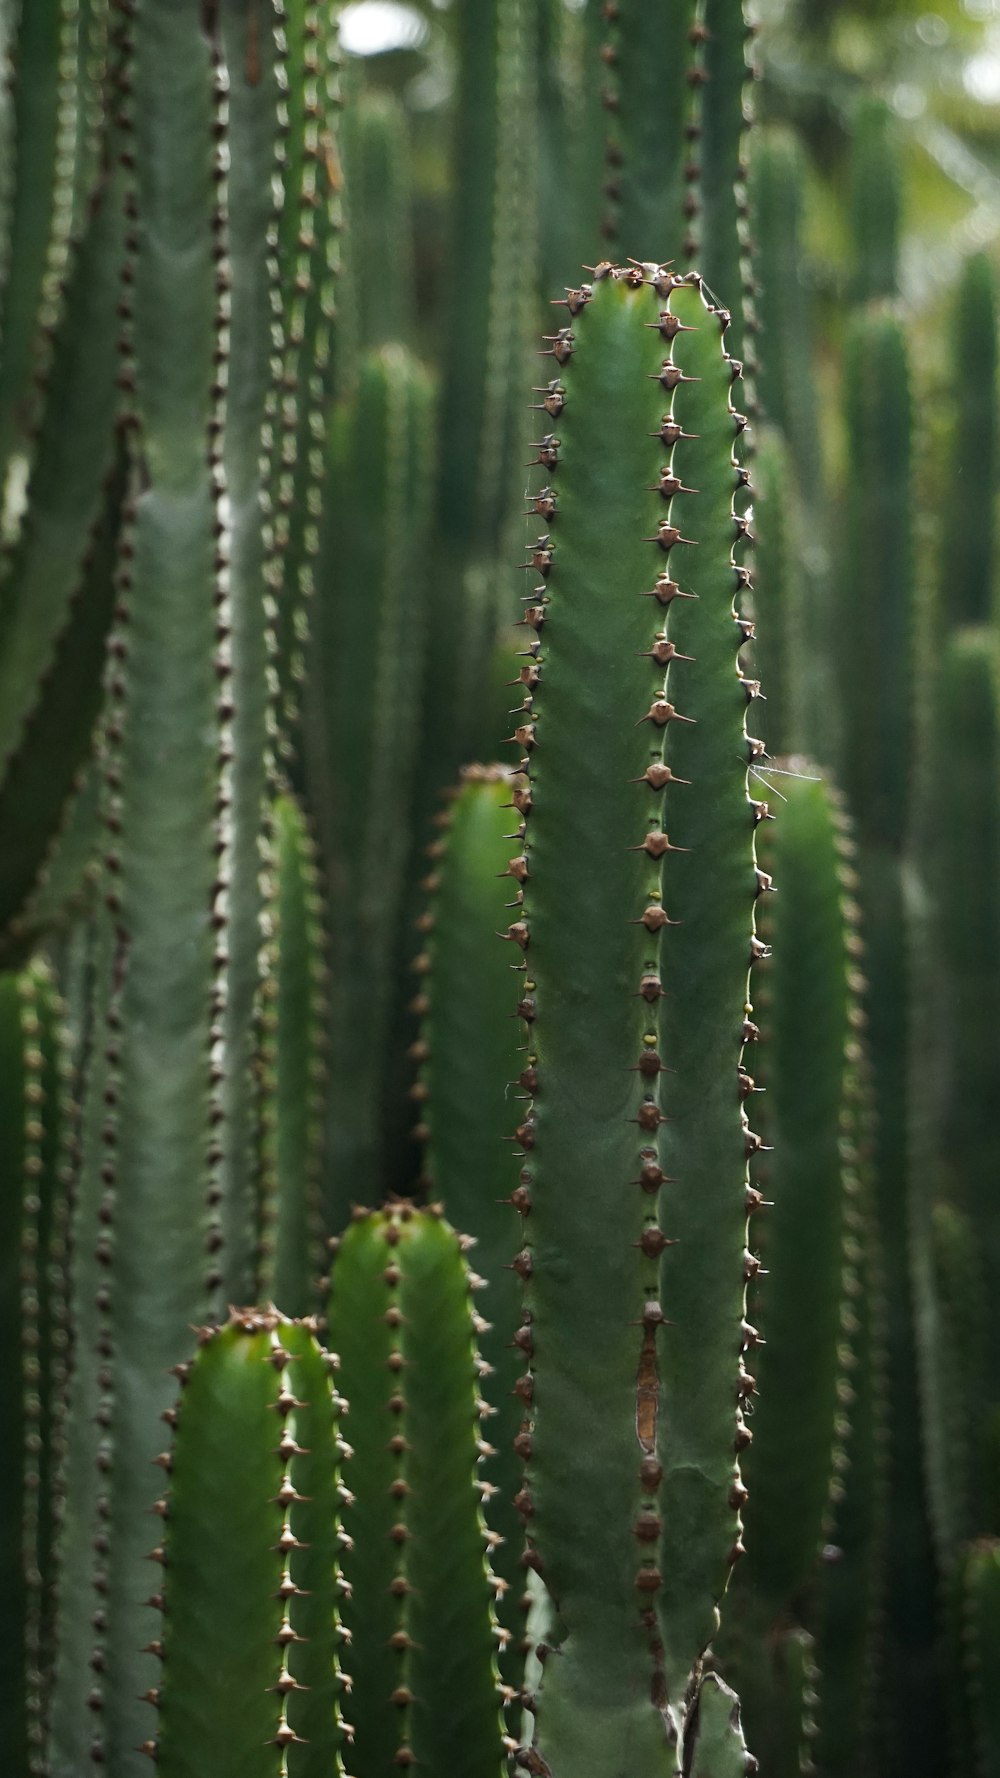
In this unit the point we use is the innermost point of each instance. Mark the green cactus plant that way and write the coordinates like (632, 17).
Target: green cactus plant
(613, 1301)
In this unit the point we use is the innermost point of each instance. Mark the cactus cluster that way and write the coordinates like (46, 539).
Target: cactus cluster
(496, 1260)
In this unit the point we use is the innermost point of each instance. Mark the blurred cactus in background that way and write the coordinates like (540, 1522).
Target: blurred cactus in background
(609, 387)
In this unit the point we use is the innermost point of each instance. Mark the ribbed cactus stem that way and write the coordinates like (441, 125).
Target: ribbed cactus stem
(969, 542)
(651, 71)
(368, 629)
(293, 1043)
(235, 1551)
(634, 995)
(378, 220)
(424, 1687)
(724, 231)
(811, 1067)
(471, 1060)
(876, 181)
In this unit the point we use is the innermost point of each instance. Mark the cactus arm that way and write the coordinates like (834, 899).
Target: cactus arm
(955, 935)
(784, 347)
(709, 888)
(809, 1065)
(41, 206)
(378, 220)
(13, 1587)
(250, 53)
(316, 356)
(780, 640)
(491, 230)
(969, 523)
(876, 199)
(471, 1054)
(652, 72)
(41, 795)
(400, 1315)
(981, 1637)
(82, 1480)
(363, 1339)
(168, 790)
(8, 124)
(69, 869)
(219, 1709)
(314, 1710)
(719, 1748)
(367, 627)
(850, 1591)
(74, 455)
(293, 1018)
(594, 1292)
(724, 241)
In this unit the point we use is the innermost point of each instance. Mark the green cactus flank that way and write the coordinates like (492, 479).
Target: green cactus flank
(368, 629)
(785, 375)
(470, 1055)
(778, 605)
(37, 214)
(249, 1652)
(293, 1019)
(308, 263)
(629, 1325)
(378, 222)
(56, 588)
(150, 1204)
(969, 519)
(35, 1117)
(424, 1685)
(249, 49)
(850, 1589)
(810, 1063)
(979, 1651)
(651, 72)
(876, 199)
(875, 668)
(723, 237)
(956, 1226)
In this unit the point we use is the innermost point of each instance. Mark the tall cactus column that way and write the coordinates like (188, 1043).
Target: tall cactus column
(637, 931)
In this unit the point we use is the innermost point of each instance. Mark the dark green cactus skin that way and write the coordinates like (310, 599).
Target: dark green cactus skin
(470, 1055)
(723, 251)
(368, 633)
(248, 47)
(778, 603)
(875, 667)
(308, 262)
(876, 200)
(35, 221)
(784, 344)
(956, 1080)
(56, 591)
(969, 523)
(234, 1649)
(810, 1062)
(424, 1688)
(293, 1043)
(850, 1590)
(34, 1113)
(652, 72)
(378, 221)
(980, 1651)
(667, 1394)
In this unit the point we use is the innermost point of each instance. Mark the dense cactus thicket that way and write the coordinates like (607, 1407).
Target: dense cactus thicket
(497, 1260)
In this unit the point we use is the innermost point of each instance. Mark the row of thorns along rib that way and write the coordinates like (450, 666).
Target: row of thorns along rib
(654, 917)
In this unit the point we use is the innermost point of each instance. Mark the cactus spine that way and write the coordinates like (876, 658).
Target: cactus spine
(635, 1021)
